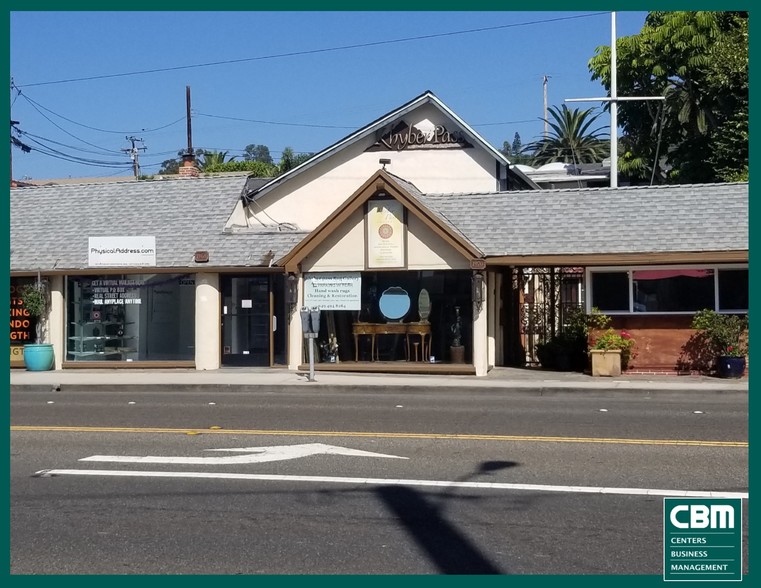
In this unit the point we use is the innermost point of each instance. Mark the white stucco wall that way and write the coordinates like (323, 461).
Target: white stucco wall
(208, 336)
(344, 249)
(310, 197)
(57, 322)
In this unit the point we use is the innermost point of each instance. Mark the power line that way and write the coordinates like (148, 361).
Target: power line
(314, 51)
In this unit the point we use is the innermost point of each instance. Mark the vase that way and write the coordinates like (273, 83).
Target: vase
(730, 367)
(606, 362)
(39, 357)
(457, 354)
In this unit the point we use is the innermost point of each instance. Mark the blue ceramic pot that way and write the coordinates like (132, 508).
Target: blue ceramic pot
(39, 357)
(730, 367)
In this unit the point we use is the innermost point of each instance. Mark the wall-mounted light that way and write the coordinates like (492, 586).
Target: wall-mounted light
(478, 289)
(384, 162)
(292, 290)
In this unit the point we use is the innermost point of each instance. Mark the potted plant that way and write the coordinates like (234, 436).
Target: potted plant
(610, 350)
(727, 336)
(38, 356)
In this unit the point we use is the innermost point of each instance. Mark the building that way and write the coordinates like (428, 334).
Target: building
(423, 248)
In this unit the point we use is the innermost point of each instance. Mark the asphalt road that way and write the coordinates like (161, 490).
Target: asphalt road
(453, 491)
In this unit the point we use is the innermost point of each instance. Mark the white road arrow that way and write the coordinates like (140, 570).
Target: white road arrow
(253, 455)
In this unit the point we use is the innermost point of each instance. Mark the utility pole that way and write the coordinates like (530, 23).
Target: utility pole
(614, 99)
(134, 155)
(544, 90)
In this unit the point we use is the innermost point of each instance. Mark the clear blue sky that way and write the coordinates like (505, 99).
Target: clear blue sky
(295, 79)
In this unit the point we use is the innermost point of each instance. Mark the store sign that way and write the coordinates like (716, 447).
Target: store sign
(22, 324)
(385, 234)
(333, 291)
(121, 251)
(404, 137)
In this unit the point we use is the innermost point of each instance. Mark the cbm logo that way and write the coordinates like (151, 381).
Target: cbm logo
(703, 516)
(702, 539)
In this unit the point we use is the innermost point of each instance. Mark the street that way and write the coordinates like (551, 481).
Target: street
(376, 482)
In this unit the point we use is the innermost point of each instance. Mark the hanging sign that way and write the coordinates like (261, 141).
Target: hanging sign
(333, 291)
(385, 234)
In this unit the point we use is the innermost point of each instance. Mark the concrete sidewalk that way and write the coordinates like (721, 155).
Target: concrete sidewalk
(498, 378)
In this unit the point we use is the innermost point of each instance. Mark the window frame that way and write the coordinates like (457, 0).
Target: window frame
(630, 269)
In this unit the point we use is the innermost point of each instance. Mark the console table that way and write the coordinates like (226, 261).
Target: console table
(372, 330)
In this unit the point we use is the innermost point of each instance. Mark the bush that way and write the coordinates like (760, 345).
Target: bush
(725, 333)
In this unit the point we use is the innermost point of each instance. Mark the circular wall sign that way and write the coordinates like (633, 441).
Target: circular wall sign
(385, 231)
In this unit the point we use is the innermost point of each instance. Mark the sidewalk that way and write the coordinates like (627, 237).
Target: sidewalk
(498, 378)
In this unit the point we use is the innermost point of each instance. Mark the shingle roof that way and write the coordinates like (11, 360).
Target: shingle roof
(50, 225)
(681, 218)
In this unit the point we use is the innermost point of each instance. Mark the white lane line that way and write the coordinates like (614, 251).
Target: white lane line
(392, 482)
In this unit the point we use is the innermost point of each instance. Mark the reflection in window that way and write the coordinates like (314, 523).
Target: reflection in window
(610, 291)
(733, 289)
(673, 290)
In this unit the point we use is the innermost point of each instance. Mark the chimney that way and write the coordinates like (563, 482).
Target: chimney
(188, 167)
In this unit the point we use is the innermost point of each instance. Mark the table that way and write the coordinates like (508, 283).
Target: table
(372, 330)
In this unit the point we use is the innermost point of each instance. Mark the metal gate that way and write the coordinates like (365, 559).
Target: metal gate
(546, 295)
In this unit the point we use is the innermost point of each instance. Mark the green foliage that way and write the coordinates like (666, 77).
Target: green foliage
(256, 169)
(209, 159)
(570, 139)
(605, 338)
(259, 153)
(36, 297)
(699, 62)
(727, 334)
(289, 159)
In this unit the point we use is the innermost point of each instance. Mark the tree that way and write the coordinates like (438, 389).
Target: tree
(290, 159)
(699, 62)
(257, 153)
(517, 145)
(570, 139)
(208, 159)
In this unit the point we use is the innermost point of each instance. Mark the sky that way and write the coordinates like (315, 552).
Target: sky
(83, 82)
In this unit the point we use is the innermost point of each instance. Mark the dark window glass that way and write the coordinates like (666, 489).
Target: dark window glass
(673, 290)
(136, 317)
(733, 289)
(610, 291)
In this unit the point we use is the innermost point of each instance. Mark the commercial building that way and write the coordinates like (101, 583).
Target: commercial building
(423, 248)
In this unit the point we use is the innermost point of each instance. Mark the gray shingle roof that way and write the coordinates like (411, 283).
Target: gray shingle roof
(50, 225)
(682, 218)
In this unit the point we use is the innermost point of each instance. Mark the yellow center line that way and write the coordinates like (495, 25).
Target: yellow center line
(455, 437)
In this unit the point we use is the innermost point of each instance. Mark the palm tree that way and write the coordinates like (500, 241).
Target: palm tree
(570, 140)
(209, 159)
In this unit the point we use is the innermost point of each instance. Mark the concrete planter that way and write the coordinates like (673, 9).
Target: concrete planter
(606, 362)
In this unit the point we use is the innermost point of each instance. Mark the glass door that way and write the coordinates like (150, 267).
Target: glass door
(247, 321)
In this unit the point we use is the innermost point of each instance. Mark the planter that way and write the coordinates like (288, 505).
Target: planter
(457, 354)
(606, 362)
(39, 357)
(730, 367)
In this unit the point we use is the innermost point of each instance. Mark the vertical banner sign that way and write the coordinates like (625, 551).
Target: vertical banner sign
(702, 539)
(385, 234)
(22, 325)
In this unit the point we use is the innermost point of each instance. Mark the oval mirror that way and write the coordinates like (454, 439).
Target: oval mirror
(424, 305)
(394, 303)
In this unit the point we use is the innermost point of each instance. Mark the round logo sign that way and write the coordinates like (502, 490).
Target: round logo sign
(385, 231)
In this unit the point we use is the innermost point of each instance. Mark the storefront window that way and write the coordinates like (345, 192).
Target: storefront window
(404, 316)
(23, 325)
(136, 317)
(672, 290)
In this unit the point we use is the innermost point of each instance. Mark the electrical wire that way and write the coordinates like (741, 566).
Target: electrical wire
(316, 51)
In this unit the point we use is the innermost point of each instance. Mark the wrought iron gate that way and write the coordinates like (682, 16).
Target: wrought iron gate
(546, 295)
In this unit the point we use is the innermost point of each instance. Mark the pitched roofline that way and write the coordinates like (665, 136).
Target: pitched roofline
(425, 97)
(380, 180)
